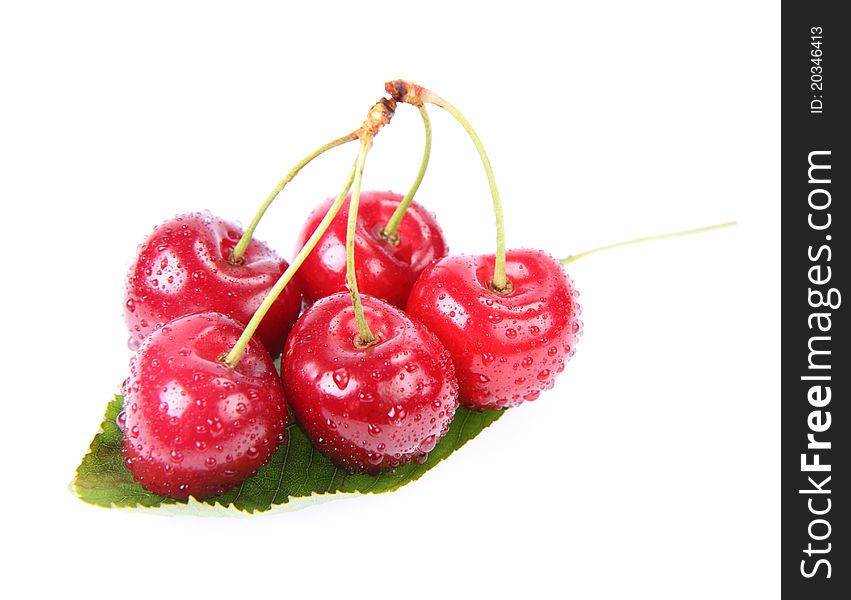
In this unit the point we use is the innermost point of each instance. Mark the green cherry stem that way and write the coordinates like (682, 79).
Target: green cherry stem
(365, 336)
(575, 257)
(236, 352)
(392, 228)
(411, 93)
(239, 250)
(500, 282)
(379, 116)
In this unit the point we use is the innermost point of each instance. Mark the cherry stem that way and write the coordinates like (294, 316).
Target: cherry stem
(239, 250)
(365, 336)
(411, 93)
(575, 257)
(237, 351)
(392, 228)
(379, 116)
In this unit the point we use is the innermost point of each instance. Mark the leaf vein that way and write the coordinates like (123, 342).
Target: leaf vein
(330, 483)
(461, 429)
(283, 468)
(373, 484)
(239, 493)
(309, 462)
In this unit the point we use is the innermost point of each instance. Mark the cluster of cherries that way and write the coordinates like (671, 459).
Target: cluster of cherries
(373, 368)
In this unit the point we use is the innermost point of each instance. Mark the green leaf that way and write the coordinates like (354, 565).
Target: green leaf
(297, 474)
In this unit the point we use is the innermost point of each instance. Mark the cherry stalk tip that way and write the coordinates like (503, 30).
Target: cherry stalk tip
(406, 91)
(379, 115)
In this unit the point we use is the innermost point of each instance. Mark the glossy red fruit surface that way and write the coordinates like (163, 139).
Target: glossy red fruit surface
(384, 270)
(506, 348)
(373, 408)
(183, 268)
(192, 425)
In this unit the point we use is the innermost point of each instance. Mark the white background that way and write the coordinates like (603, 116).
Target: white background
(651, 470)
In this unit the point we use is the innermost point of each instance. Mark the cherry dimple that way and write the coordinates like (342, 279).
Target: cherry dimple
(183, 267)
(385, 269)
(507, 349)
(373, 408)
(192, 425)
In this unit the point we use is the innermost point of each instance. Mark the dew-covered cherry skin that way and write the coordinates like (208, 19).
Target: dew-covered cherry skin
(384, 269)
(184, 267)
(368, 408)
(194, 426)
(507, 347)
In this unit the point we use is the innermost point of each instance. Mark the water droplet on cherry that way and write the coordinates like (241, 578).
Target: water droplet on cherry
(341, 378)
(428, 444)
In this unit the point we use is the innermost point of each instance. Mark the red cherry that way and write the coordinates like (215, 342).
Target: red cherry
(507, 348)
(370, 408)
(192, 425)
(384, 270)
(183, 268)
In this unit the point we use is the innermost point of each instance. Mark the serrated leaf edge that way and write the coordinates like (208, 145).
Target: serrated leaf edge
(200, 508)
(204, 509)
